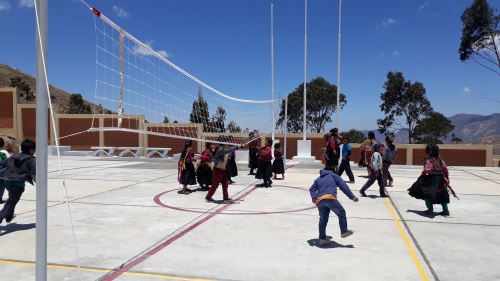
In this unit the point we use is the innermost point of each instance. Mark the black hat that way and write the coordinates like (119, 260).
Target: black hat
(432, 150)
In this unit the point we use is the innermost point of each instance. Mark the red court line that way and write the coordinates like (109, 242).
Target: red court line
(126, 267)
(117, 273)
(157, 200)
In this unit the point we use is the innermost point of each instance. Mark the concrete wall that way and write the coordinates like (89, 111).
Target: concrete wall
(18, 120)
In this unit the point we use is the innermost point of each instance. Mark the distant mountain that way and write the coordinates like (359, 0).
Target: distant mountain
(473, 127)
(60, 98)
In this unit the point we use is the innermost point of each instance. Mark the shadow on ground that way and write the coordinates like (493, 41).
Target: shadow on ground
(13, 227)
(330, 245)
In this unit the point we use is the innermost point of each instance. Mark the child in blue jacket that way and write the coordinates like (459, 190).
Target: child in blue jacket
(324, 195)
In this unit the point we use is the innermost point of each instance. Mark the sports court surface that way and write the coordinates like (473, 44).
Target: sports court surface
(132, 225)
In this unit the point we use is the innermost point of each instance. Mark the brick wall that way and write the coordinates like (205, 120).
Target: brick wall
(117, 138)
(176, 144)
(29, 123)
(83, 141)
(454, 157)
(7, 110)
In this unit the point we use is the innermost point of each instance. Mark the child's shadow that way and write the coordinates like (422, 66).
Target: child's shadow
(331, 244)
(13, 227)
(422, 213)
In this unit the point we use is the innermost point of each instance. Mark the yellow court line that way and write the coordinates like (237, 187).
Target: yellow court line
(100, 270)
(413, 255)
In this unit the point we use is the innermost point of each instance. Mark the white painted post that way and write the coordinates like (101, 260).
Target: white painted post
(42, 105)
(286, 129)
(338, 66)
(272, 71)
(304, 129)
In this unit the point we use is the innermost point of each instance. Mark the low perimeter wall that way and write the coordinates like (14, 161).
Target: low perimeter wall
(19, 122)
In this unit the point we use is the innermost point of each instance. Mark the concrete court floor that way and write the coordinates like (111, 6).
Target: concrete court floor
(127, 214)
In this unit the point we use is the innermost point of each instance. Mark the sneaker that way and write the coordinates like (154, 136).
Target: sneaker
(210, 199)
(351, 182)
(2, 201)
(363, 194)
(390, 184)
(346, 233)
(384, 195)
(323, 242)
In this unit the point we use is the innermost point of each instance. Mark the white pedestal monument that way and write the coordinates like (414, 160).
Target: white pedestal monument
(304, 152)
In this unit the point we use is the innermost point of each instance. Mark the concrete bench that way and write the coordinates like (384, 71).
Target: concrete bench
(135, 151)
(162, 152)
(107, 150)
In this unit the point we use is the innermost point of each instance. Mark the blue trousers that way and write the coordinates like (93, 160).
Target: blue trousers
(345, 166)
(324, 208)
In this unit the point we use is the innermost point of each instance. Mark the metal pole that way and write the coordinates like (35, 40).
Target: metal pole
(305, 71)
(286, 129)
(338, 66)
(272, 70)
(42, 105)
(120, 100)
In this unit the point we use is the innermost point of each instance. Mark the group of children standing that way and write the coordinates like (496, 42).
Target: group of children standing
(217, 165)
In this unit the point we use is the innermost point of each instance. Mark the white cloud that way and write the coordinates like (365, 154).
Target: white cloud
(141, 50)
(388, 22)
(424, 6)
(4, 5)
(120, 12)
(466, 89)
(395, 53)
(26, 3)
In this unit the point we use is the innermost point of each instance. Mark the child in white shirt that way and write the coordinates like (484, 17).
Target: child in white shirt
(376, 171)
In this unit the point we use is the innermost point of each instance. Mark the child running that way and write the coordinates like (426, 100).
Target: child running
(278, 164)
(186, 172)
(204, 172)
(432, 186)
(265, 171)
(219, 172)
(20, 168)
(346, 159)
(376, 171)
(4, 154)
(324, 195)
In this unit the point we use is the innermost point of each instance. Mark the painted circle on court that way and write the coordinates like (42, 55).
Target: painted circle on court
(157, 199)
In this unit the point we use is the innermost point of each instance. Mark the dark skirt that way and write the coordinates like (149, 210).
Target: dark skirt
(278, 166)
(432, 188)
(265, 168)
(253, 159)
(204, 175)
(188, 175)
(332, 158)
(231, 168)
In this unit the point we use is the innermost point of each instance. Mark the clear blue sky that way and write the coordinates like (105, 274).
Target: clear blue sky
(226, 43)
